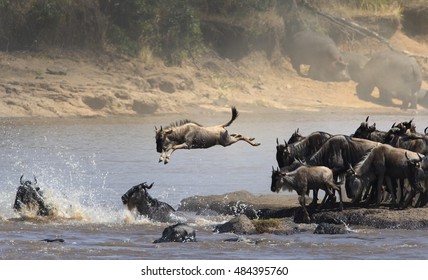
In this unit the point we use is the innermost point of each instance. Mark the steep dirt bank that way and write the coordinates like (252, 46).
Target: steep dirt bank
(61, 84)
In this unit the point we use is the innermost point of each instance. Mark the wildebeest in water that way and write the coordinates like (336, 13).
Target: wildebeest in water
(29, 197)
(187, 134)
(180, 232)
(138, 197)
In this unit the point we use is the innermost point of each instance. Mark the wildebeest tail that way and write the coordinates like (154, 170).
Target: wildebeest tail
(234, 116)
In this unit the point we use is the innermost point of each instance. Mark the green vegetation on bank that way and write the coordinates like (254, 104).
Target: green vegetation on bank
(170, 29)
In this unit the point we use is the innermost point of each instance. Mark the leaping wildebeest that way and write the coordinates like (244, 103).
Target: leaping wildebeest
(187, 134)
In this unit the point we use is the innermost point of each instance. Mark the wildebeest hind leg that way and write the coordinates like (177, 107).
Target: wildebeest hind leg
(248, 140)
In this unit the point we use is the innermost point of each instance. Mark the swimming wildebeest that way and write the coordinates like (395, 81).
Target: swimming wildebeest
(190, 135)
(321, 53)
(177, 233)
(31, 198)
(138, 197)
(395, 74)
(303, 179)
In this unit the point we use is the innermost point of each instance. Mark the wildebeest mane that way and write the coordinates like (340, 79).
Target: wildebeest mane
(180, 123)
(308, 146)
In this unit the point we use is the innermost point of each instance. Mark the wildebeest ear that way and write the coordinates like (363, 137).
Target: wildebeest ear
(20, 179)
(367, 119)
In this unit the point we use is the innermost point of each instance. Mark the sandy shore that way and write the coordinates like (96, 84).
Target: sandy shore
(64, 84)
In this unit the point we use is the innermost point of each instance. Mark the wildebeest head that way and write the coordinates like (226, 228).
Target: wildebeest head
(162, 138)
(138, 197)
(364, 130)
(417, 173)
(295, 137)
(29, 196)
(352, 183)
(277, 176)
(282, 153)
(180, 232)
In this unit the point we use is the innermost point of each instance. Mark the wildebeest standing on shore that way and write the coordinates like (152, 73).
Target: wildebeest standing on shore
(387, 164)
(340, 151)
(187, 134)
(321, 53)
(30, 197)
(395, 74)
(303, 179)
(138, 197)
(302, 149)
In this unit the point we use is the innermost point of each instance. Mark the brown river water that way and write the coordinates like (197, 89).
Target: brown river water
(84, 166)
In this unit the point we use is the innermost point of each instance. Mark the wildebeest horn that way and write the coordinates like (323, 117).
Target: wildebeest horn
(425, 130)
(144, 185)
(20, 180)
(35, 180)
(393, 125)
(367, 119)
(277, 141)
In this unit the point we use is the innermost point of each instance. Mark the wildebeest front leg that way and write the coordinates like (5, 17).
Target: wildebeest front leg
(391, 189)
(302, 201)
(173, 148)
(380, 179)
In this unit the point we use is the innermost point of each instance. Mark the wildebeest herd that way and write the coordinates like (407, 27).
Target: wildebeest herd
(373, 166)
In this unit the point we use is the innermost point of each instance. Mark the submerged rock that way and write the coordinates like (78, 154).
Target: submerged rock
(239, 225)
(325, 228)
